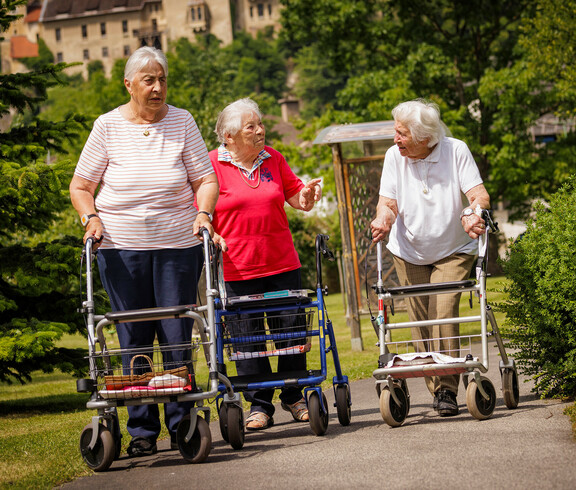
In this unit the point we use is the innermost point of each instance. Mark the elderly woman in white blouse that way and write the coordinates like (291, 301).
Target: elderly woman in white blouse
(134, 188)
(432, 230)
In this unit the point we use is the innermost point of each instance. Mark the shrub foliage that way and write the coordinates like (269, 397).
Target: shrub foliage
(541, 306)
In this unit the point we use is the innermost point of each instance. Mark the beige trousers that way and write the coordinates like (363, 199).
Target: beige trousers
(436, 338)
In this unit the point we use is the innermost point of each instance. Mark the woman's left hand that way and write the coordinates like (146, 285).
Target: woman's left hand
(310, 194)
(473, 225)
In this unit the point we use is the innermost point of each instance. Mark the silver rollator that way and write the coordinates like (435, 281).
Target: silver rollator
(398, 361)
(150, 375)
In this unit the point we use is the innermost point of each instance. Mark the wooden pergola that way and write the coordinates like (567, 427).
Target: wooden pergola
(358, 155)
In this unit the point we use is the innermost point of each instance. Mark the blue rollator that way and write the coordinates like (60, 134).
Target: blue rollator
(279, 324)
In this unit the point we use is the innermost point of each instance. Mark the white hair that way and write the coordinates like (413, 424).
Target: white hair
(143, 57)
(422, 118)
(230, 119)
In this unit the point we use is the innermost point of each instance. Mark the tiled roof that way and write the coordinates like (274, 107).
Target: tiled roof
(73, 8)
(33, 15)
(21, 47)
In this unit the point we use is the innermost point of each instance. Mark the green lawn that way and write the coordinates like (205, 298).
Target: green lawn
(41, 422)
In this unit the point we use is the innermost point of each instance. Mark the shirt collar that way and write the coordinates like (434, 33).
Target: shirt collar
(224, 155)
(434, 157)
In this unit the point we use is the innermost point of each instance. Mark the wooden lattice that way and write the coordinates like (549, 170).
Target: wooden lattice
(364, 184)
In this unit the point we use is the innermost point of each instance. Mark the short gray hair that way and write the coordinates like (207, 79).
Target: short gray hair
(422, 118)
(230, 119)
(141, 58)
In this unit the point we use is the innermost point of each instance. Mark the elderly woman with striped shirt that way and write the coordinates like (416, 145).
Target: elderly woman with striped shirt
(148, 162)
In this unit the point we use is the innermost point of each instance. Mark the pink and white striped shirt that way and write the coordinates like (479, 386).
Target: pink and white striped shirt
(145, 199)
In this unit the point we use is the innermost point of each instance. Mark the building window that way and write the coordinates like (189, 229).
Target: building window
(199, 13)
(86, 54)
(251, 11)
(59, 57)
(124, 27)
(84, 31)
(154, 25)
(270, 9)
(260, 10)
(105, 52)
(193, 14)
(58, 34)
(126, 50)
(103, 28)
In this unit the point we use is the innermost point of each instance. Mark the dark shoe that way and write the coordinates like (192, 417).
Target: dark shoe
(447, 404)
(141, 446)
(174, 442)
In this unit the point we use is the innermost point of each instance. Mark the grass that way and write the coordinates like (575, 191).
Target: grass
(41, 422)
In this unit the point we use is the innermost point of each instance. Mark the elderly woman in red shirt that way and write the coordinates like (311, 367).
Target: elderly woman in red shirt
(255, 182)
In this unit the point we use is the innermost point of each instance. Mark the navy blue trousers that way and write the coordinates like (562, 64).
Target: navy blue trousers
(147, 279)
(261, 400)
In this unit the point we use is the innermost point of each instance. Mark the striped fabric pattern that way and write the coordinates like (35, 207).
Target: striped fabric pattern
(145, 199)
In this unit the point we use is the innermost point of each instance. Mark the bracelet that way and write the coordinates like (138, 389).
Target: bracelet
(207, 214)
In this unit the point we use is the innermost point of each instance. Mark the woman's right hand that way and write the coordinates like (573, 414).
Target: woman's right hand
(95, 230)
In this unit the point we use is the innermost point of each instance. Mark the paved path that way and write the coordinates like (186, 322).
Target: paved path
(528, 448)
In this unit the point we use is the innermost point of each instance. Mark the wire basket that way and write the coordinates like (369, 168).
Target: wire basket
(158, 371)
(269, 334)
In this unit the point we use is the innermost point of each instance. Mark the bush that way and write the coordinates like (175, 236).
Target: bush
(541, 306)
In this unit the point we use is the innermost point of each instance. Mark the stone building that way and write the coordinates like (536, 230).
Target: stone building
(107, 30)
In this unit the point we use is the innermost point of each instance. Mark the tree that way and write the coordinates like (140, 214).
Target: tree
(493, 67)
(38, 297)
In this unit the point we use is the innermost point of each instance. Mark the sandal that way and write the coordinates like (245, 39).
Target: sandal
(259, 421)
(299, 410)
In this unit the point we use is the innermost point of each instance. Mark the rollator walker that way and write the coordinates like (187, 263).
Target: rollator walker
(398, 361)
(288, 323)
(149, 375)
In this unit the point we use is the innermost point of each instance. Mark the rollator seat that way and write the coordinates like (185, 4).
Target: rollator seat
(147, 313)
(274, 298)
(432, 287)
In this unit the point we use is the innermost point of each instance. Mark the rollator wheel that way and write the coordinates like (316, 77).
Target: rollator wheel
(478, 406)
(510, 388)
(235, 426)
(223, 419)
(197, 449)
(318, 417)
(113, 425)
(100, 458)
(343, 404)
(404, 386)
(393, 413)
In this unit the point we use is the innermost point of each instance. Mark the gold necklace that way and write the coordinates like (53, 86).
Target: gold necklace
(247, 181)
(146, 130)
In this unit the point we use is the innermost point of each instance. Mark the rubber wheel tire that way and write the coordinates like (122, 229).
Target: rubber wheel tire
(343, 404)
(478, 406)
(392, 413)
(197, 449)
(510, 388)
(235, 427)
(404, 387)
(318, 418)
(223, 419)
(101, 457)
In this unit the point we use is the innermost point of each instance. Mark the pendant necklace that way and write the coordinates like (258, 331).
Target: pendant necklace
(146, 131)
(245, 179)
(424, 181)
